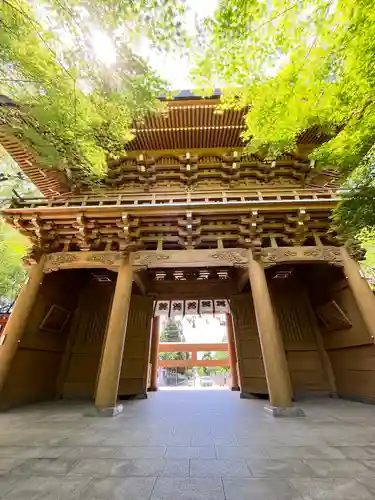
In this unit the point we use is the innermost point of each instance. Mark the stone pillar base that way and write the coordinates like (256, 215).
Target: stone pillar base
(278, 411)
(111, 411)
(235, 388)
(141, 395)
(130, 397)
(247, 395)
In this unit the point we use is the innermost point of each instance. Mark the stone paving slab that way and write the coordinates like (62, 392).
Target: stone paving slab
(219, 468)
(143, 452)
(207, 452)
(331, 489)
(190, 488)
(186, 445)
(260, 489)
(51, 488)
(114, 488)
(287, 468)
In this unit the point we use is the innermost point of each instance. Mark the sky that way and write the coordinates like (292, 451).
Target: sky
(174, 69)
(207, 329)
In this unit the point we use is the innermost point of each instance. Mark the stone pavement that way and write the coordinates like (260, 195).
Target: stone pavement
(188, 445)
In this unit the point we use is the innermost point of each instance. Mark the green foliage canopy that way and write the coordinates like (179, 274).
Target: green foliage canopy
(296, 64)
(12, 244)
(12, 274)
(74, 109)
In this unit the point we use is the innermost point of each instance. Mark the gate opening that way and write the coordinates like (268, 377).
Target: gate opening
(193, 353)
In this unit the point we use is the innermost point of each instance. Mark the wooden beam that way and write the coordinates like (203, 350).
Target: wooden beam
(185, 347)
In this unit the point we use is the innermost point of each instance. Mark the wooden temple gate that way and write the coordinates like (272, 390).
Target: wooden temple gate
(285, 330)
(186, 213)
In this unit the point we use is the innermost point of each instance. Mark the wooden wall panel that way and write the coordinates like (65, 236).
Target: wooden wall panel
(249, 354)
(351, 350)
(354, 369)
(253, 367)
(34, 370)
(87, 335)
(32, 378)
(299, 328)
(81, 378)
(306, 371)
(134, 370)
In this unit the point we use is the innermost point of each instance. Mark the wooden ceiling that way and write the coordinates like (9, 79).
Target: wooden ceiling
(199, 124)
(189, 125)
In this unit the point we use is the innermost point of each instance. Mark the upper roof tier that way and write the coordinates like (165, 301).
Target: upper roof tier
(191, 126)
(195, 122)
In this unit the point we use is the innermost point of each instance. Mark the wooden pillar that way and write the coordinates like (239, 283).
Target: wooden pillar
(17, 321)
(110, 367)
(361, 290)
(154, 357)
(273, 352)
(232, 353)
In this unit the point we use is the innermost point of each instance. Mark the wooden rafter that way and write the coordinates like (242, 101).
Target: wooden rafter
(48, 181)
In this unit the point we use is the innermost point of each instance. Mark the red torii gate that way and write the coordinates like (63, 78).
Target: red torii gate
(193, 349)
(3, 321)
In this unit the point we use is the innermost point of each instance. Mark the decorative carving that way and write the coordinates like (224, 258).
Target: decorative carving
(269, 255)
(290, 253)
(314, 252)
(61, 258)
(107, 259)
(76, 260)
(55, 261)
(146, 259)
(299, 253)
(235, 257)
(191, 258)
(332, 254)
